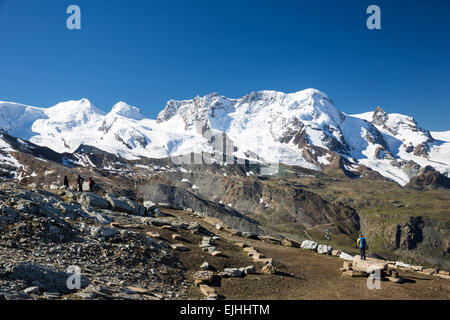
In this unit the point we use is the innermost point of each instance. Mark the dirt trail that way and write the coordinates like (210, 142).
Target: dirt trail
(301, 274)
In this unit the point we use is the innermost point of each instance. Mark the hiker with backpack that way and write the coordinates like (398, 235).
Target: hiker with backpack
(91, 184)
(80, 181)
(362, 246)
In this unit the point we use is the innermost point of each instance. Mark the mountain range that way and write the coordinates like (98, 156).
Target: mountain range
(302, 129)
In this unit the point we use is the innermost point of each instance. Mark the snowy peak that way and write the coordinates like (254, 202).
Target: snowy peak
(125, 110)
(74, 110)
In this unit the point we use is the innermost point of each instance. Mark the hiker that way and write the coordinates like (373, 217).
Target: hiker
(362, 246)
(66, 183)
(80, 181)
(91, 184)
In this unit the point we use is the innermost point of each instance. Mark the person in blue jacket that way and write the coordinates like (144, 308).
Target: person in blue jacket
(362, 246)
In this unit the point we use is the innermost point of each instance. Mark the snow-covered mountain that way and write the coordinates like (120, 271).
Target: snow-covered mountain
(302, 128)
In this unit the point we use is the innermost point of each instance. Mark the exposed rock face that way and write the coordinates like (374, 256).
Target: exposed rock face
(8, 215)
(93, 200)
(379, 116)
(182, 198)
(118, 205)
(43, 234)
(49, 279)
(420, 240)
(429, 178)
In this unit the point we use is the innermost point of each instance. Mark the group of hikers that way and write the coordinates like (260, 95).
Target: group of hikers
(80, 181)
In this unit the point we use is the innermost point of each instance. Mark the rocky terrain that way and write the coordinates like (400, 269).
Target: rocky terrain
(128, 250)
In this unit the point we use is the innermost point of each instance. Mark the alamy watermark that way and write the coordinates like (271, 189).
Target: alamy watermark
(73, 22)
(374, 20)
(74, 280)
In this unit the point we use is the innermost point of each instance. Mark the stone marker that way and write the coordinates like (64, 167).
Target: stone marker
(208, 291)
(346, 256)
(268, 269)
(428, 271)
(290, 243)
(396, 279)
(335, 253)
(347, 265)
(250, 270)
(241, 244)
(369, 265)
(309, 245)
(217, 253)
(324, 249)
(176, 236)
(232, 272)
(179, 247)
(203, 277)
(153, 234)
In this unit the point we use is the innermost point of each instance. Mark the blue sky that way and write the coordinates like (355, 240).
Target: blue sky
(147, 52)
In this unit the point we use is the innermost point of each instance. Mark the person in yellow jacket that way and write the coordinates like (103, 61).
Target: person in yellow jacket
(361, 243)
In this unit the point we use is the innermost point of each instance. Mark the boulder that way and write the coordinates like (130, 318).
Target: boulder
(443, 276)
(152, 209)
(428, 271)
(232, 272)
(324, 249)
(204, 266)
(347, 265)
(118, 205)
(396, 279)
(8, 215)
(402, 265)
(268, 269)
(335, 253)
(264, 260)
(309, 245)
(159, 222)
(209, 292)
(34, 289)
(270, 239)
(249, 270)
(179, 247)
(346, 256)
(249, 235)
(290, 243)
(394, 274)
(176, 236)
(104, 232)
(54, 186)
(137, 208)
(369, 265)
(203, 277)
(153, 234)
(90, 199)
(216, 253)
(241, 244)
(97, 216)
